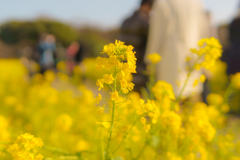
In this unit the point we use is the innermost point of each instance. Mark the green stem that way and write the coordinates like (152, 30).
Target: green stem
(110, 86)
(186, 81)
(152, 80)
(56, 150)
(102, 143)
(125, 136)
(113, 113)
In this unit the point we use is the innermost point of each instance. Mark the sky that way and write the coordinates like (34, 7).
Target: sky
(104, 13)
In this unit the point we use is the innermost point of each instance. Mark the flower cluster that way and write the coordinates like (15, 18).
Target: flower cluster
(163, 90)
(150, 110)
(121, 59)
(24, 148)
(199, 121)
(171, 120)
(210, 49)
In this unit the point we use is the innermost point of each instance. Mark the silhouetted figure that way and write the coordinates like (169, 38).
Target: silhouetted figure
(71, 54)
(134, 31)
(81, 52)
(47, 53)
(234, 50)
(75, 54)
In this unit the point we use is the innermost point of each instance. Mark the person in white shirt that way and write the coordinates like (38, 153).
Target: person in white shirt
(175, 27)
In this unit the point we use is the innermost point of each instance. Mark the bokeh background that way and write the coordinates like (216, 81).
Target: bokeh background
(94, 22)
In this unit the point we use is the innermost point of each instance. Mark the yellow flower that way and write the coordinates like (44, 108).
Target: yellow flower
(39, 157)
(214, 99)
(210, 50)
(124, 86)
(130, 86)
(113, 61)
(61, 66)
(64, 122)
(24, 146)
(225, 108)
(102, 62)
(147, 127)
(143, 120)
(195, 83)
(114, 96)
(206, 130)
(202, 78)
(197, 66)
(171, 120)
(49, 76)
(163, 89)
(108, 78)
(154, 58)
(188, 59)
(100, 83)
(98, 98)
(101, 109)
(82, 146)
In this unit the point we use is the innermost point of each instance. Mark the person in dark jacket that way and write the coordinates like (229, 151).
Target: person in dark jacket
(234, 50)
(134, 31)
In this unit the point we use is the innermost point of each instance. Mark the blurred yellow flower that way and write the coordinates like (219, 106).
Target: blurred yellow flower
(98, 98)
(114, 96)
(154, 58)
(202, 78)
(108, 78)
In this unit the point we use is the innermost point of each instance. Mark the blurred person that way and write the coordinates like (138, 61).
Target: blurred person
(175, 27)
(81, 52)
(47, 52)
(233, 53)
(134, 31)
(212, 30)
(72, 51)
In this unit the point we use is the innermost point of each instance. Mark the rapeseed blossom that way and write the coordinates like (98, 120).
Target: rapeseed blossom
(154, 58)
(98, 98)
(121, 59)
(163, 89)
(195, 83)
(202, 78)
(210, 50)
(74, 127)
(23, 148)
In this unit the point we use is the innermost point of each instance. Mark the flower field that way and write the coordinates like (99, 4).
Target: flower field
(96, 115)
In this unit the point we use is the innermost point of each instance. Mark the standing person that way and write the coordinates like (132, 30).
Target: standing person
(134, 31)
(234, 48)
(47, 50)
(175, 27)
(72, 51)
